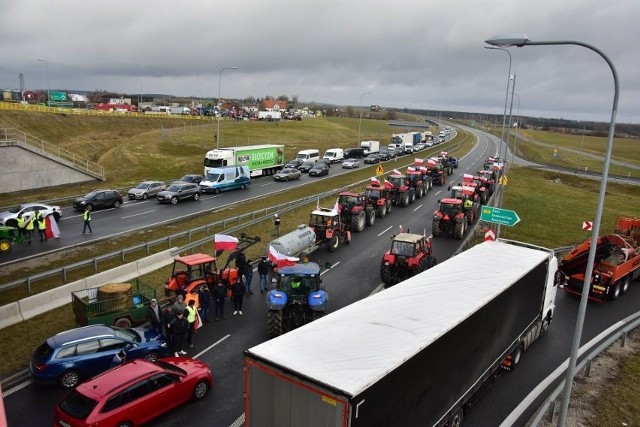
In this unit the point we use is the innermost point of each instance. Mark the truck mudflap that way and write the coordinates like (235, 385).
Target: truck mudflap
(318, 300)
(276, 300)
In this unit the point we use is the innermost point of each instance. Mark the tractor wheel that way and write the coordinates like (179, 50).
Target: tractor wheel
(403, 200)
(412, 195)
(5, 245)
(423, 265)
(357, 222)
(389, 206)
(371, 216)
(381, 211)
(419, 192)
(316, 315)
(334, 243)
(274, 323)
(386, 275)
(435, 228)
(458, 232)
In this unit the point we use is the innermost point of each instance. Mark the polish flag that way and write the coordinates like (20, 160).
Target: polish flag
(51, 231)
(401, 229)
(197, 324)
(223, 242)
(387, 184)
(375, 181)
(443, 153)
(467, 177)
(422, 168)
(410, 169)
(431, 162)
(336, 207)
(281, 260)
(418, 162)
(396, 172)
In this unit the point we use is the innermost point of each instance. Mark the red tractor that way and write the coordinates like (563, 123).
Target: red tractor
(378, 198)
(329, 228)
(439, 171)
(401, 194)
(470, 201)
(354, 211)
(409, 255)
(415, 181)
(449, 219)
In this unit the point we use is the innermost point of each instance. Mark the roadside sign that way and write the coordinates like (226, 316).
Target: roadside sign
(379, 170)
(489, 235)
(503, 180)
(499, 216)
(587, 225)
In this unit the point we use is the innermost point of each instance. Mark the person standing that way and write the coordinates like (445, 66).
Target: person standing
(87, 220)
(41, 224)
(248, 277)
(56, 215)
(179, 305)
(166, 317)
(276, 225)
(30, 223)
(220, 295)
(191, 318)
(204, 297)
(237, 291)
(153, 315)
(22, 232)
(179, 328)
(263, 273)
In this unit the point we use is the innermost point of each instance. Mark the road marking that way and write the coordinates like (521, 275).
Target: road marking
(334, 265)
(212, 345)
(439, 191)
(141, 213)
(385, 230)
(16, 388)
(417, 208)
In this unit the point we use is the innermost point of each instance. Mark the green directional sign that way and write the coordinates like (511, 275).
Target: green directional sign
(499, 216)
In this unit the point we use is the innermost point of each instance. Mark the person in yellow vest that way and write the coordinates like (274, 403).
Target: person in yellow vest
(41, 223)
(30, 223)
(86, 216)
(190, 311)
(21, 230)
(468, 204)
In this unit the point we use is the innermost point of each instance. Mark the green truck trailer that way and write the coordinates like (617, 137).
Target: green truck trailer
(123, 310)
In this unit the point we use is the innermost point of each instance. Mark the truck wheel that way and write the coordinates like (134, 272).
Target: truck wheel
(456, 420)
(412, 195)
(371, 216)
(12, 223)
(435, 228)
(544, 325)
(381, 211)
(386, 276)
(404, 200)
(458, 232)
(122, 322)
(617, 289)
(334, 243)
(274, 323)
(515, 357)
(358, 221)
(5, 245)
(625, 285)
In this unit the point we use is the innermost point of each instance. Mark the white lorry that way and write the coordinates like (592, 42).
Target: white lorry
(370, 147)
(411, 355)
(264, 159)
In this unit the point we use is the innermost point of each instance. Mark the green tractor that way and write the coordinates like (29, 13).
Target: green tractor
(9, 236)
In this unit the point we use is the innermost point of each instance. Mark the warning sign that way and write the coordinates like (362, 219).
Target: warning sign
(503, 180)
(379, 170)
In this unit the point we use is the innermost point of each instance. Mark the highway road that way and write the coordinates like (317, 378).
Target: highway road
(354, 275)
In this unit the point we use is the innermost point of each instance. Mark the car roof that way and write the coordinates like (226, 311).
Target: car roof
(79, 334)
(103, 384)
(151, 182)
(408, 237)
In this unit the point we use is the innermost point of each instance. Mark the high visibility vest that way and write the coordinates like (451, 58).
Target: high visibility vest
(30, 224)
(87, 215)
(191, 317)
(20, 222)
(42, 224)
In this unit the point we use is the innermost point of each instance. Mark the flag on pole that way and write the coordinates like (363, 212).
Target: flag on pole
(401, 229)
(431, 162)
(387, 184)
(279, 259)
(223, 242)
(418, 162)
(396, 172)
(51, 231)
(410, 169)
(336, 207)
(467, 177)
(198, 322)
(375, 181)
(318, 204)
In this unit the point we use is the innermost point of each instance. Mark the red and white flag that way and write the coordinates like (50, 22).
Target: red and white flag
(418, 162)
(467, 177)
(396, 172)
(422, 168)
(443, 153)
(375, 181)
(336, 207)
(387, 184)
(281, 260)
(51, 231)
(223, 242)
(431, 162)
(401, 229)
(410, 169)
(197, 324)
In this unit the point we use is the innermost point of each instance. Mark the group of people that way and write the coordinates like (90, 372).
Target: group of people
(27, 226)
(178, 321)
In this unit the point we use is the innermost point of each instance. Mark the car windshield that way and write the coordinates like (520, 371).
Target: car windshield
(186, 178)
(77, 405)
(402, 248)
(174, 188)
(297, 285)
(90, 195)
(373, 193)
(143, 186)
(213, 177)
(450, 208)
(395, 180)
(127, 334)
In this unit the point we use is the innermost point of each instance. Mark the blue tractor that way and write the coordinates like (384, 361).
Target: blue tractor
(298, 298)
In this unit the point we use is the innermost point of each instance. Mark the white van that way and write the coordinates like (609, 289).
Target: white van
(309, 155)
(334, 155)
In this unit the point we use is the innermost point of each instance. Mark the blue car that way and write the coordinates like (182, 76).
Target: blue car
(72, 356)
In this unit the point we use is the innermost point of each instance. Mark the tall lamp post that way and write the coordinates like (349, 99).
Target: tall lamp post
(360, 122)
(46, 64)
(584, 128)
(521, 40)
(219, 102)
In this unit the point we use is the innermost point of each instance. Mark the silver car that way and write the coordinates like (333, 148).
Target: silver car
(146, 189)
(351, 163)
(27, 210)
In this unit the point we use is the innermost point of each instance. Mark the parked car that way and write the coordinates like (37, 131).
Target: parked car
(351, 163)
(71, 356)
(354, 153)
(294, 163)
(134, 393)
(287, 174)
(319, 169)
(306, 167)
(191, 178)
(179, 191)
(146, 189)
(99, 199)
(372, 159)
(9, 217)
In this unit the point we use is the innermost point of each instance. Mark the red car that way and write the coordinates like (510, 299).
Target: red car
(134, 393)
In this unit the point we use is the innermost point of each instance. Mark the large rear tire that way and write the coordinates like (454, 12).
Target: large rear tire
(412, 195)
(334, 243)
(274, 323)
(371, 216)
(403, 200)
(358, 222)
(386, 276)
(458, 231)
(381, 211)
(435, 228)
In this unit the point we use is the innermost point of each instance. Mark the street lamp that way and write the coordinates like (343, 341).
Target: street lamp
(584, 127)
(46, 64)
(219, 102)
(521, 40)
(360, 122)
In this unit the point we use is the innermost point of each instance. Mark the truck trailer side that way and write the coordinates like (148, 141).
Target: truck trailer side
(414, 354)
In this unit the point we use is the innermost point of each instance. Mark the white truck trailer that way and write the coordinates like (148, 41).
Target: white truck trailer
(414, 354)
(261, 160)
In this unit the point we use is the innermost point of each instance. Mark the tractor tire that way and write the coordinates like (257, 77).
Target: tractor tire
(435, 228)
(459, 229)
(412, 195)
(423, 265)
(381, 211)
(274, 323)
(371, 216)
(389, 206)
(403, 200)
(5, 245)
(334, 243)
(316, 315)
(357, 222)
(387, 277)
(432, 261)
(419, 192)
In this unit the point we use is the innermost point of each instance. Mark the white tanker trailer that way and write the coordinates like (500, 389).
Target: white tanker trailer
(298, 243)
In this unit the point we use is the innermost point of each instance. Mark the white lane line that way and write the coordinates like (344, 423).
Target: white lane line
(16, 388)
(141, 213)
(417, 208)
(438, 192)
(332, 267)
(212, 345)
(384, 231)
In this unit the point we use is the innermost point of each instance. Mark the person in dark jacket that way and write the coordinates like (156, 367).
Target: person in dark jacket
(248, 277)
(220, 296)
(263, 272)
(179, 328)
(204, 297)
(167, 316)
(153, 315)
(237, 291)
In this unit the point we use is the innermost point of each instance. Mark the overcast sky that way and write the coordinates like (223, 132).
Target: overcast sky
(421, 54)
